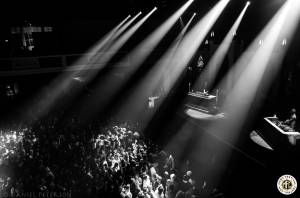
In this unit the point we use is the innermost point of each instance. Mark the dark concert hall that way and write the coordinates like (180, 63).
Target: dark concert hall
(150, 99)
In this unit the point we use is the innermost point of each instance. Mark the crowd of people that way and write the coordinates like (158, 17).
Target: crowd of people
(69, 158)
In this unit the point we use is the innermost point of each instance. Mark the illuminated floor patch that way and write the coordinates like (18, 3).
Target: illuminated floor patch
(201, 114)
(259, 140)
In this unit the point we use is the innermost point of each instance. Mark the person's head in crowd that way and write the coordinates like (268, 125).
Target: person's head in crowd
(166, 173)
(160, 189)
(141, 194)
(173, 170)
(180, 194)
(145, 189)
(191, 181)
(116, 166)
(189, 173)
(185, 179)
(109, 156)
(105, 164)
(136, 135)
(171, 185)
(144, 175)
(163, 154)
(172, 177)
(293, 110)
(127, 187)
(187, 176)
(126, 191)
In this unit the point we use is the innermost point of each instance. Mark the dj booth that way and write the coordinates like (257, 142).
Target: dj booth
(202, 101)
(278, 135)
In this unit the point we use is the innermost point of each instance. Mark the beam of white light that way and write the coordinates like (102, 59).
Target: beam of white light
(125, 26)
(188, 47)
(213, 66)
(184, 29)
(122, 40)
(181, 22)
(106, 48)
(111, 47)
(291, 24)
(261, 42)
(96, 60)
(164, 74)
(95, 57)
(256, 72)
(108, 37)
(49, 94)
(114, 86)
(268, 57)
(99, 45)
(87, 58)
(239, 100)
(114, 48)
(140, 53)
(257, 54)
(168, 57)
(143, 50)
(174, 46)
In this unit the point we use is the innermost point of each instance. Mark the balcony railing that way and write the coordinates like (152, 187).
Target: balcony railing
(53, 63)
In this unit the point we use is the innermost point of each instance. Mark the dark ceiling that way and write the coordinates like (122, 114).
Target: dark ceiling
(111, 9)
(256, 17)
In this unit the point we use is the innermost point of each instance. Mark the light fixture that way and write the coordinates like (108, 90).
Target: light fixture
(283, 42)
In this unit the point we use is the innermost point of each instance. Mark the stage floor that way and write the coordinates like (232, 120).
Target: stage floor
(198, 113)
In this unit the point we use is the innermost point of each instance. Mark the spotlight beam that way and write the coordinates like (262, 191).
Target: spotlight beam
(265, 57)
(117, 45)
(120, 31)
(107, 37)
(97, 60)
(166, 59)
(213, 66)
(241, 96)
(140, 53)
(255, 75)
(124, 27)
(124, 38)
(266, 34)
(183, 31)
(164, 74)
(92, 52)
(110, 35)
(143, 50)
(49, 94)
(109, 50)
(189, 46)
